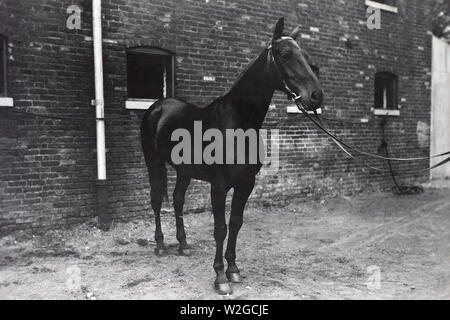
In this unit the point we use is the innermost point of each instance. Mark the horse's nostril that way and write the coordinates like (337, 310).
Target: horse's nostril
(315, 97)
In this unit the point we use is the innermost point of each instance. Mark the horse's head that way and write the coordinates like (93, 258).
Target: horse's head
(292, 68)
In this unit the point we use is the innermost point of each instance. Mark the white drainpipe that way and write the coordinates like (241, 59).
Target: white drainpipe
(99, 97)
(102, 204)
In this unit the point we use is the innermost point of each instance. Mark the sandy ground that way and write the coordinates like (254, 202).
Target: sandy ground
(324, 249)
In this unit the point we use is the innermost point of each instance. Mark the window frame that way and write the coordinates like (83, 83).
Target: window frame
(145, 103)
(382, 6)
(386, 111)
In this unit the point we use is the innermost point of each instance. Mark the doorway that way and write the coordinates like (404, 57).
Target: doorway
(440, 110)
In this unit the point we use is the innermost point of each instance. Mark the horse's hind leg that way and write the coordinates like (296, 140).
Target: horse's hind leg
(178, 202)
(240, 197)
(158, 185)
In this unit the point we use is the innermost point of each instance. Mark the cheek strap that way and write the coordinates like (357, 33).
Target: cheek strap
(291, 94)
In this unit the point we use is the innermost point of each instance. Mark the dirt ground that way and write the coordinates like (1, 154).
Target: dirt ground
(323, 249)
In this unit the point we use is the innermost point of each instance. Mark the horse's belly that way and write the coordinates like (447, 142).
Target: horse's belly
(230, 173)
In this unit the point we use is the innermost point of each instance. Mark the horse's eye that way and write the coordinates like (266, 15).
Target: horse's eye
(285, 53)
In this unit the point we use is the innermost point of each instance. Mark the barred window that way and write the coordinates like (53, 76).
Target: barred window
(150, 73)
(3, 65)
(386, 91)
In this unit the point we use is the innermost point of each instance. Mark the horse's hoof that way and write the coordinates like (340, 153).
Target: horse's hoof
(161, 252)
(223, 288)
(185, 252)
(234, 277)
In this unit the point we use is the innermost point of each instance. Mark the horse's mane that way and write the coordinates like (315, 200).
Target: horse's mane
(244, 72)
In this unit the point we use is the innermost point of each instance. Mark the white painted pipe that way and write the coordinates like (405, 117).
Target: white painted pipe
(99, 95)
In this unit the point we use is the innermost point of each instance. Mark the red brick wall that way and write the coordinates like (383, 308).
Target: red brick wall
(48, 167)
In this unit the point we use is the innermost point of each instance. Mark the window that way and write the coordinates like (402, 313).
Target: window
(150, 76)
(386, 93)
(3, 65)
(387, 5)
(4, 100)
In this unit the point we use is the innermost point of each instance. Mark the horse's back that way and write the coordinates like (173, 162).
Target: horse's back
(162, 110)
(167, 107)
(165, 116)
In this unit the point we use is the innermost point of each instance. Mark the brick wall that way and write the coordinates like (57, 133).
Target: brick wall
(48, 167)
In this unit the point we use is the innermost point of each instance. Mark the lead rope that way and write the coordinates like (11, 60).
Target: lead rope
(343, 145)
(396, 188)
(348, 153)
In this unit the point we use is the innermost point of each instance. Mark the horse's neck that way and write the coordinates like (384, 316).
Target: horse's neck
(253, 91)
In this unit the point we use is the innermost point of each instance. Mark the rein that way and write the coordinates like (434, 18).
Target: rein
(343, 145)
(297, 99)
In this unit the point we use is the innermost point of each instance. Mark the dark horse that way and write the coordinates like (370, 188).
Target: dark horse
(283, 66)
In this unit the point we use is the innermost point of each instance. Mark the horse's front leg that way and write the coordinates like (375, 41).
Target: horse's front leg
(218, 196)
(240, 197)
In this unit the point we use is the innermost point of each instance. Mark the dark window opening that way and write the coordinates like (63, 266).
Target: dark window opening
(387, 2)
(386, 91)
(150, 73)
(3, 65)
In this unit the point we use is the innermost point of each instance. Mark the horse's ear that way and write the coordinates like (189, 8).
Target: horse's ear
(278, 32)
(295, 33)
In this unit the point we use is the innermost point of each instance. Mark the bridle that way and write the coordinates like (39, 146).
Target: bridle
(298, 100)
(292, 95)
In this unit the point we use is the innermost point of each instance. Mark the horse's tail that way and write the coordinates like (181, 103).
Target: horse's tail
(156, 163)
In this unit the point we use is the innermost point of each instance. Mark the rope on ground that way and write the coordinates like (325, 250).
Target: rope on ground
(397, 189)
